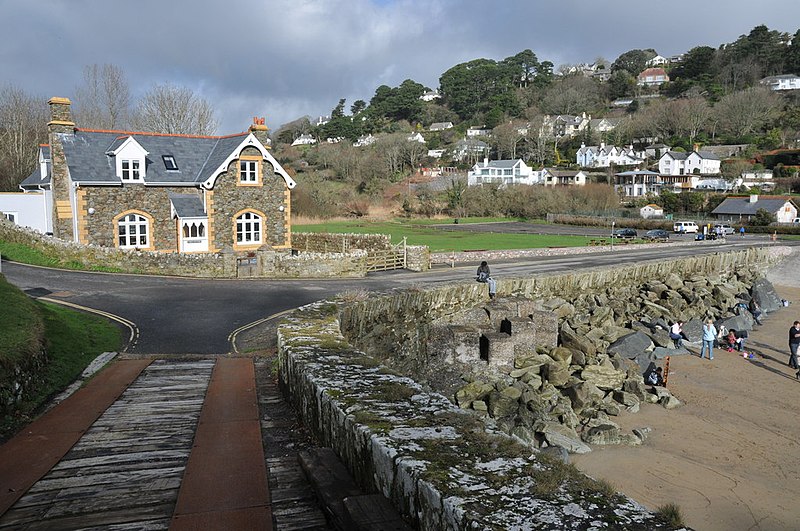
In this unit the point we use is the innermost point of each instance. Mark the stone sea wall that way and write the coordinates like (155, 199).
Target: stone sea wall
(438, 464)
(538, 371)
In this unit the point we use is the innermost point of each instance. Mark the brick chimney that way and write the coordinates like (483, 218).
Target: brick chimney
(261, 131)
(60, 124)
(60, 116)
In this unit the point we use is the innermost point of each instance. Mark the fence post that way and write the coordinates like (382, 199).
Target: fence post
(405, 254)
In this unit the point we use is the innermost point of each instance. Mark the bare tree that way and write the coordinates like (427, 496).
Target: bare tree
(747, 111)
(690, 116)
(506, 138)
(176, 110)
(414, 152)
(23, 120)
(103, 101)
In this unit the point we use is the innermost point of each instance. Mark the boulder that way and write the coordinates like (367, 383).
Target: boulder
(603, 434)
(557, 452)
(571, 339)
(764, 294)
(471, 392)
(644, 360)
(669, 402)
(558, 435)
(583, 395)
(604, 377)
(635, 386)
(673, 281)
(531, 360)
(743, 321)
(578, 357)
(504, 403)
(631, 345)
(625, 398)
(556, 373)
(562, 355)
(693, 330)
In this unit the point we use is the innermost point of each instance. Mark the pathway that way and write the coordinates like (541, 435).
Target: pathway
(156, 445)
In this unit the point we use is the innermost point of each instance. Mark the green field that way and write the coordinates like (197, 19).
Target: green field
(421, 233)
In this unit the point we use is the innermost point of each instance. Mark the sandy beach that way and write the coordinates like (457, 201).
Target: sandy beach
(730, 455)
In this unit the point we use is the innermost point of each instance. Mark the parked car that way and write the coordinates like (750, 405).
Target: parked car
(684, 227)
(624, 233)
(726, 229)
(656, 234)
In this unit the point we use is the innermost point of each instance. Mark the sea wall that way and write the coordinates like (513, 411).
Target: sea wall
(353, 369)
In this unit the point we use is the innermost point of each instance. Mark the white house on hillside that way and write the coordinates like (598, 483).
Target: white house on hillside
(696, 162)
(503, 172)
(783, 82)
(604, 156)
(304, 140)
(651, 211)
(652, 77)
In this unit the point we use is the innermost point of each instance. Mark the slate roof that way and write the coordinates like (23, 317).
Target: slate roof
(187, 205)
(505, 163)
(197, 157)
(677, 155)
(708, 155)
(742, 205)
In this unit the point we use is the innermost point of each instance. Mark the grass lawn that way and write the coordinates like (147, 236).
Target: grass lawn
(420, 233)
(73, 339)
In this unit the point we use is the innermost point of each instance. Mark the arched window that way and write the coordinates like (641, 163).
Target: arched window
(134, 231)
(248, 229)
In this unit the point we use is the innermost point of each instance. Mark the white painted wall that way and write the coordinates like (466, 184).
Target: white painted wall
(29, 209)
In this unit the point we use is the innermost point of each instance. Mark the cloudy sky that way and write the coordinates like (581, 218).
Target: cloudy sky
(283, 59)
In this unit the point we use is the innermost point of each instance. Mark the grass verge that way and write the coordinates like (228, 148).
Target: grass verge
(18, 252)
(72, 339)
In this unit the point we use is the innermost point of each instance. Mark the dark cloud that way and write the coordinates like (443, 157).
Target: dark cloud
(286, 58)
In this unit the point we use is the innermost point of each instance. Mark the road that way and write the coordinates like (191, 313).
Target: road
(196, 316)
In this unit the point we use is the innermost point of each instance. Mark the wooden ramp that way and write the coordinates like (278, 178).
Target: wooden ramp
(125, 471)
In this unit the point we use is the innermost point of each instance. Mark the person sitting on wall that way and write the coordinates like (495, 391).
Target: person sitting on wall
(485, 275)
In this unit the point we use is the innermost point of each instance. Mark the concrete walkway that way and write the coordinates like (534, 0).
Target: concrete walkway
(168, 444)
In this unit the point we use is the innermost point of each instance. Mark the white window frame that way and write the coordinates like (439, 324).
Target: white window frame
(169, 163)
(249, 226)
(133, 171)
(248, 171)
(13, 217)
(140, 238)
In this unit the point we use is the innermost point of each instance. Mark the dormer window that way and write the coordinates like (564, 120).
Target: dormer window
(131, 170)
(169, 163)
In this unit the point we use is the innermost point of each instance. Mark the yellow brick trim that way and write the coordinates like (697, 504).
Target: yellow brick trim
(287, 215)
(61, 122)
(82, 212)
(259, 127)
(212, 248)
(63, 209)
(57, 100)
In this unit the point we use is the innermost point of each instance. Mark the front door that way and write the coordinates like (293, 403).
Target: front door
(193, 235)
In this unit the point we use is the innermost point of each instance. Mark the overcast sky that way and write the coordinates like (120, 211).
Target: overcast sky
(283, 59)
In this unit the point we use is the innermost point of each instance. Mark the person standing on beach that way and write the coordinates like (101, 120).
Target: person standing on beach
(794, 342)
(709, 335)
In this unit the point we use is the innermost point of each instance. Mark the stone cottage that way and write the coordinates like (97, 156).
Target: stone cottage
(161, 192)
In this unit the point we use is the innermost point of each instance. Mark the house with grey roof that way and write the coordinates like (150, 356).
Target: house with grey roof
(161, 192)
(502, 172)
(742, 209)
(553, 177)
(698, 162)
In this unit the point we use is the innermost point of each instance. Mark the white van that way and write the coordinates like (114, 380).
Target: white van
(685, 227)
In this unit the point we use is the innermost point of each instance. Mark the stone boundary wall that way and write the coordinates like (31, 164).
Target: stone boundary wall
(268, 263)
(339, 243)
(439, 466)
(477, 256)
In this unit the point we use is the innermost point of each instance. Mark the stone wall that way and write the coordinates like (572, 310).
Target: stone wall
(267, 263)
(447, 470)
(328, 242)
(438, 465)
